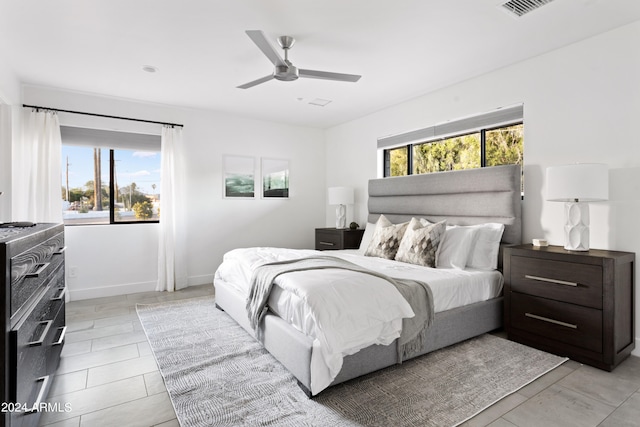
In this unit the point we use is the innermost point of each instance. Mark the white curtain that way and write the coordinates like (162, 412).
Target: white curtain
(172, 260)
(37, 188)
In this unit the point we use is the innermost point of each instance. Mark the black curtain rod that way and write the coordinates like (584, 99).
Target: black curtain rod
(102, 115)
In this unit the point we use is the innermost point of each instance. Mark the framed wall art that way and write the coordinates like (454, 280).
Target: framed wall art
(239, 177)
(275, 178)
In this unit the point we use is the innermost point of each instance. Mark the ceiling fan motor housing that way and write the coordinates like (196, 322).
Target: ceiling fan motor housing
(286, 73)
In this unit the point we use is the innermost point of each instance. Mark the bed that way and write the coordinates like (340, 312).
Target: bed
(463, 200)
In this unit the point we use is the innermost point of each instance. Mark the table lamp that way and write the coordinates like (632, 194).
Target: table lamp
(341, 196)
(576, 185)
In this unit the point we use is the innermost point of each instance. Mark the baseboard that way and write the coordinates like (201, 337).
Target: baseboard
(110, 291)
(129, 288)
(204, 279)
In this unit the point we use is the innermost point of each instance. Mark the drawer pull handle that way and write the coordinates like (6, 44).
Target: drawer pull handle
(60, 295)
(40, 398)
(327, 243)
(557, 322)
(60, 251)
(39, 271)
(556, 281)
(44, 334)
(61, 339)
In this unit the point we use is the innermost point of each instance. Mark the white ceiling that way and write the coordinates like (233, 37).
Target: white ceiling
(402, 48)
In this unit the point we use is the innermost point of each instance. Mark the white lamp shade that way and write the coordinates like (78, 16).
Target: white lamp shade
(340, 195)
(584, 182)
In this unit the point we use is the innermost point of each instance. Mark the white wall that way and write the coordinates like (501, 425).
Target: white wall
(581, 104)
(123, 258)
(9, 85)
(5, 162)
(9, 96)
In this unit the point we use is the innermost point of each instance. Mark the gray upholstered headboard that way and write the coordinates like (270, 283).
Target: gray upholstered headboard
(466, 197)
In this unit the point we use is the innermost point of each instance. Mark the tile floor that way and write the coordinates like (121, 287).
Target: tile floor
(109, 376)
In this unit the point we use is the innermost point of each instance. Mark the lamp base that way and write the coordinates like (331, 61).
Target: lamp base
(576, 227)
(341, 217)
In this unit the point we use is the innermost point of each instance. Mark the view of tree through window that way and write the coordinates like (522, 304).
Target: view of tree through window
(88, 183)
(502, 146)
(398, 161)
(462, 152)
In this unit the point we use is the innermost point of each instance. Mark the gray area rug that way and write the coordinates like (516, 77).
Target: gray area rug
(218, 375)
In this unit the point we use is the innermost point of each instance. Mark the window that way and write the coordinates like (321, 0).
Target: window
(494, 147)
(398, 162)
(460, 152)
(491, 139)
(109, 177)
(504, 146)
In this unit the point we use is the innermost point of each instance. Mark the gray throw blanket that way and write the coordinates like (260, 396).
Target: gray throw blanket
(418, 295)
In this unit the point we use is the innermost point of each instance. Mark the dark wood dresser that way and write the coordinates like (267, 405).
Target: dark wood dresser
(33, 318)
(574, 304)
(338, 238)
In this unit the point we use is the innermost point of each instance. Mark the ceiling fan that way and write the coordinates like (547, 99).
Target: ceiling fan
(284, 69)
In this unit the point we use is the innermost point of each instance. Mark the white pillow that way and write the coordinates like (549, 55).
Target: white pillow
(369, 229)
(486, 246)
(455, 247)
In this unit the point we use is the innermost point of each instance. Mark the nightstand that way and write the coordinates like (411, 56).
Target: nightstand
(338, 238)
(575, 304)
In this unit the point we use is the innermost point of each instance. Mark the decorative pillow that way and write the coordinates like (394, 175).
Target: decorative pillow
(455, 247)
(369, 229)
(425, 222)
(420, 243)
(486, 246)
(386, 238)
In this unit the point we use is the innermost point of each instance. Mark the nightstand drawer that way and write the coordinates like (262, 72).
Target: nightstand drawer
(563, 281)
(327, 240)
(338, 238)
(566, 323)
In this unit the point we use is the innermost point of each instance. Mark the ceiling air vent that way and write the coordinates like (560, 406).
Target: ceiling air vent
(522, 7)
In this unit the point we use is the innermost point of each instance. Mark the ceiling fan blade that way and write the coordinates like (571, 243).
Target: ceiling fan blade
(314, 74)
(256, 82)
(267, 48)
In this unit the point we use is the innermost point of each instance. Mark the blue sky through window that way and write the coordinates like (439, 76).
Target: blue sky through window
(141, 167)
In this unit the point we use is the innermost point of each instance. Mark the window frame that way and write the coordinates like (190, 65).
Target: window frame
(112, 192)
(386, 152)
(95, 139)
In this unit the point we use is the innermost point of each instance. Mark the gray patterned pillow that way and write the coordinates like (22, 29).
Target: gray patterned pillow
(386, 238)
(420, 243)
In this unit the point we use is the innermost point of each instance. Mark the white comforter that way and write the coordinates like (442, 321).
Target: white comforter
(345, 311)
